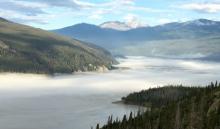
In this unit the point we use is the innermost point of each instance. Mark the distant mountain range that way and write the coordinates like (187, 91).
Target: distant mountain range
(197, 38)
(27, 49)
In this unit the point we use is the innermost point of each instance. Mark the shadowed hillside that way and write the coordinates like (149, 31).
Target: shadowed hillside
(27, 49)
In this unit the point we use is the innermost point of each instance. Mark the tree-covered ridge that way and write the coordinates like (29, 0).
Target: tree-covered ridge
(156, 97)
(195, 109)
(27, 49)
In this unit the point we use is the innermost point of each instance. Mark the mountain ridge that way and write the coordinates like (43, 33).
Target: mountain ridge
(27, 49)
(117, 25)
(201, 20)
(126, 42)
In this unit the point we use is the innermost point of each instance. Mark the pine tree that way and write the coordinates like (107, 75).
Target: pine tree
(130, 116)
(97, 126)
(212, 85)
(124, 119)
(216, 84)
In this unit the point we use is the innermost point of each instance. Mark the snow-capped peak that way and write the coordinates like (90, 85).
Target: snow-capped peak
(116, 25)
(201, 22)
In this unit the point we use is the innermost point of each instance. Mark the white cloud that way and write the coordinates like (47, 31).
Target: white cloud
(96, 15)
(134, 21)
(164, 21)
(21, 18)
(26, 11)
(32, 11)
(127, 2)
(85, 5)
(203, 7)
(116, 7)
(54, 3)
(28, 8)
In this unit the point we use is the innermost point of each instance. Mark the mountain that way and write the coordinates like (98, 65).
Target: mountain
(27, 49)
(185, 39)
(91, 33)
(202, 22)
(3, 20)
(116, 25)
(120, 26)
(172, 107)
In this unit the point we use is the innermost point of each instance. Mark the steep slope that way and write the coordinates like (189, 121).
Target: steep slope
(91, 33)
(129, 42)
(27, 49)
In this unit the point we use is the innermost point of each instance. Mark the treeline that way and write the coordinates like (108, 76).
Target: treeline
(173, 107)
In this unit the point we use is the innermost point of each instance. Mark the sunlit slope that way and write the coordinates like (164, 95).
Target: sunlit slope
(27, 49)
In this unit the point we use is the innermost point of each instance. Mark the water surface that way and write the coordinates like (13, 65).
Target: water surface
(81, 100)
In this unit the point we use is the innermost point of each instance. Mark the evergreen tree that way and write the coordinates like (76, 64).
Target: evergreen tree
(185, 108)
(97, 126)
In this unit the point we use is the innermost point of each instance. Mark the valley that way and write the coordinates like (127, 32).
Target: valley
(190, 39)
(109, 64)
(65, 101)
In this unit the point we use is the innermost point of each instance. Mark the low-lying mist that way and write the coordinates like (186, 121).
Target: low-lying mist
(205, 48)
(134, 73)
(66, 101)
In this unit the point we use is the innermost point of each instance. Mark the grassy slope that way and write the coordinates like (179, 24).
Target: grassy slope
(27, 49)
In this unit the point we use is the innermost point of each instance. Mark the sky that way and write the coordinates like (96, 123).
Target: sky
(54, 14)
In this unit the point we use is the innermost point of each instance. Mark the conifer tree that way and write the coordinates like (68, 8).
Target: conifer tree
(97, 126)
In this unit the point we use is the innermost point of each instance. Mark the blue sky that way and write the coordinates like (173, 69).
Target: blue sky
(52, 14)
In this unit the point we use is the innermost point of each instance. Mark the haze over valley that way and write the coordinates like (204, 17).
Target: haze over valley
(191, 39)
(88, 97)
(112, 64)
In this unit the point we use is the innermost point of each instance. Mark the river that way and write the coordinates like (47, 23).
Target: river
(81, 100)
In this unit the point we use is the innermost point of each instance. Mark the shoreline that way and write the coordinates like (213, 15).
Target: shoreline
(129, 104)
(56, 74)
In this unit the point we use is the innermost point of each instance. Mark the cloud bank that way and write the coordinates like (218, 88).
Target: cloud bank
(40, 11)
(136, 12)
(203, 7)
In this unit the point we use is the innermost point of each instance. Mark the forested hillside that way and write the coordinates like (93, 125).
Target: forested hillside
(173, 108)
(27, 49)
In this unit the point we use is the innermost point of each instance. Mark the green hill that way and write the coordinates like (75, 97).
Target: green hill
(173, 108)
(27, 49)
